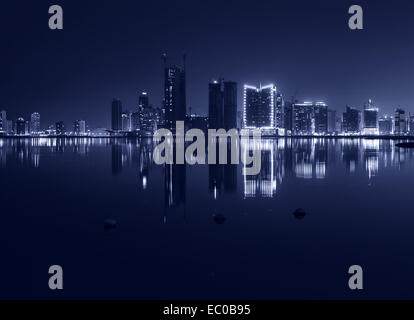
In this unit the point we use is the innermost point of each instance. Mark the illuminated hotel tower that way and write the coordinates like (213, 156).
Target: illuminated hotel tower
(259, 107)
(370, 119)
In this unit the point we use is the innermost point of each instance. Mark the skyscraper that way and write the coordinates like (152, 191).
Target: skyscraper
(116, 110)
(288, 117)
(332, 121)
(3, 121)
(35, 123)
(215, 105)
(279, 111)
(222, 104)
(149, 117)
(20, 126)
(259, 107)
(412, 124)
(174, 95)
(79, 127)
(60, 128)
(126, 121)
(385, 125)
(143, 100)
(10, 129)
(302, 116)
(370, 118)
(400, 122)
(320, 110)
(230, 104)
(351, 120)
(135, 121)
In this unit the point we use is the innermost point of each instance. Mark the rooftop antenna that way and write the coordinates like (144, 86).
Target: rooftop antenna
(164, 58)
(184, 61)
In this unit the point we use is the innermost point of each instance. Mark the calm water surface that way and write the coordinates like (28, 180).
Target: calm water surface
(205, 231)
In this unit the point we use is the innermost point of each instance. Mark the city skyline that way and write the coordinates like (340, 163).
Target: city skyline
(262, 107)
(207, 150)
(304, 58)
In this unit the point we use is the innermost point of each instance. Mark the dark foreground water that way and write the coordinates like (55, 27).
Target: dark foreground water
(204, 231)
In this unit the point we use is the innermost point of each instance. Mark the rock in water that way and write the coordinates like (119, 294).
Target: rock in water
(299, 213)
(110, 224)
(219, 218)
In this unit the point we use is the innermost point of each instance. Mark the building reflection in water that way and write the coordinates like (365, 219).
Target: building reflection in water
(371, 151)
(222, 178)
(265, 183)
(281, 159)
(174, 185)
(145, 161)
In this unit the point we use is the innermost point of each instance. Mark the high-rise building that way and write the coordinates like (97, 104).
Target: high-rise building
(135, 121)
(288, 116)
(126, 121)
(332, 127)
(27, 127)
(279, 111)
(230, 104)
(411, 124)
(143, 100)
(149, 117)
(351, 120)
(215, 105)
(3, 121)
(35, 123)
(20, 126)
(222, 104)
(149, 121)
(79, 127)
(385, 125)
(370, 118)
(320, 114)
(60, 128)
(116, 111)
(259, 107)
(174, 95)
(302, 116)
(10, 129)
(400, 122)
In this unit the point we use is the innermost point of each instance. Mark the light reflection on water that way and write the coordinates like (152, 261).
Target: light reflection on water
(317, 205)
(280, 158)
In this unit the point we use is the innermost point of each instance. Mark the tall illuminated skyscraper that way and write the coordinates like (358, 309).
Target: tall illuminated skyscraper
(126, 121)
(370, 119)
(320, 112)
(3, 121)
(302, 118)
(175, 105)
(412, 124)
(20, 126)
(351, 120)
(143, 100)
(279, 111)
(60, 128)
(385, 125)
(79, 127)
(259, 107)
(35, 123)
(332, 121)
(400, 122)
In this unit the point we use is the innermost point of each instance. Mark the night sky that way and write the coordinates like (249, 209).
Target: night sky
(113, 49)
